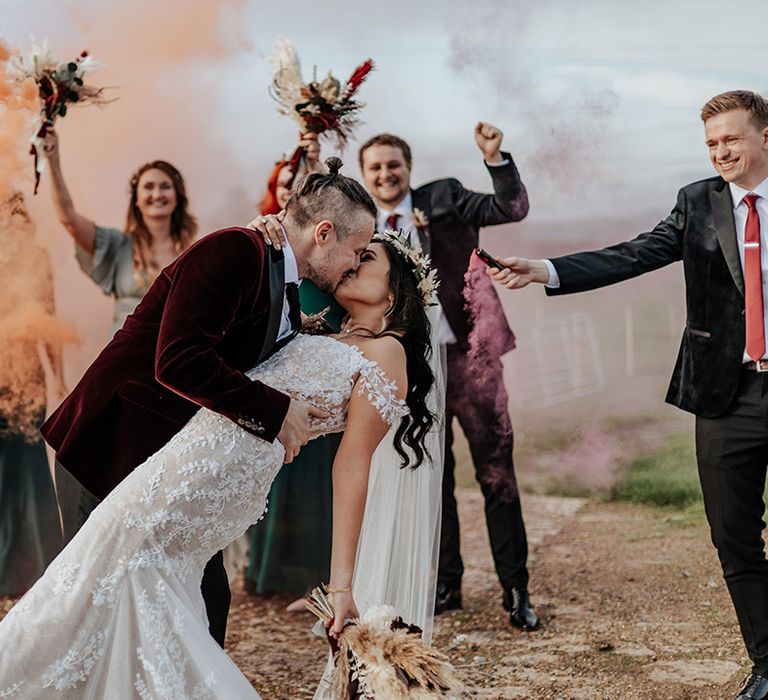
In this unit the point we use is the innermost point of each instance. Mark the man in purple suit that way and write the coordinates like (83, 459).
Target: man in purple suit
(222, 307)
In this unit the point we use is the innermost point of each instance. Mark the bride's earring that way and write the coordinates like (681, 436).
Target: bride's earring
(391, 308)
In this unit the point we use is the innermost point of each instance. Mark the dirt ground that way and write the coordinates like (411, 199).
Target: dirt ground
(631, 598)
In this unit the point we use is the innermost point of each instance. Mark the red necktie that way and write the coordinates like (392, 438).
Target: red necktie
(392, 221)
(753, 282)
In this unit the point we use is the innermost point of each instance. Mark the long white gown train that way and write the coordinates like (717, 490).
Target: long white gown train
(119, 613)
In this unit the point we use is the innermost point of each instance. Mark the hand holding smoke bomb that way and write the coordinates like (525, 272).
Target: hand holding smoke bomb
(488, 259)
(516, 273)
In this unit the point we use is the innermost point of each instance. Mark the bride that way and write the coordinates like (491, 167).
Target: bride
(119, 613)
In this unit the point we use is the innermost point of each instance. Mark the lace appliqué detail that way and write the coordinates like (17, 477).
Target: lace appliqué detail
(65, 578)
(381, 391)
(164, 661)
(76, 665)
(164, 521)
(10, 692)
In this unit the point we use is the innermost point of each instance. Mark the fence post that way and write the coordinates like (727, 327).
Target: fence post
(629, 340)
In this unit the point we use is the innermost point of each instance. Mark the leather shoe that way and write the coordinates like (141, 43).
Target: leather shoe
(521, 614)
(447, 598)
(755, 688)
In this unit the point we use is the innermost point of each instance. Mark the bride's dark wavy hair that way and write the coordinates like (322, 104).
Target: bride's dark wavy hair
(407, 320)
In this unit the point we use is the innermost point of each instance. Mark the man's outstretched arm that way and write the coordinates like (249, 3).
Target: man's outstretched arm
(587, 270)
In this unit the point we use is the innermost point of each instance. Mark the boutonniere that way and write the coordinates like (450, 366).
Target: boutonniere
(315, 324)
(420, 219)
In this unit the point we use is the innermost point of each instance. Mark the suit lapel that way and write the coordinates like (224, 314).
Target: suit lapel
(276, 267)
(725, 228)
(420, 200)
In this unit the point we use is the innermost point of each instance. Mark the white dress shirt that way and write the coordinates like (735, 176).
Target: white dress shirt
(291, 275)
(445, 333)
(740, 211)
(406, 223)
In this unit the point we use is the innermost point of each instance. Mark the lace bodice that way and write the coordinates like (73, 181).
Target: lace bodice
(138, 560)
(321, 371)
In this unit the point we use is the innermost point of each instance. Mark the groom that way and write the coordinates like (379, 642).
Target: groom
(223, 306)
(718, 229)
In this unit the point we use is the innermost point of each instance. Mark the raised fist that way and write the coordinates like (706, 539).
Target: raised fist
(488, 140)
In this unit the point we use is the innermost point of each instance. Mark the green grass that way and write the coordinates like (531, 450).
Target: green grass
(692, 514)
(667, 477)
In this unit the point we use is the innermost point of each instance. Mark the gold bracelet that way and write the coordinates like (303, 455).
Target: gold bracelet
(338, 590)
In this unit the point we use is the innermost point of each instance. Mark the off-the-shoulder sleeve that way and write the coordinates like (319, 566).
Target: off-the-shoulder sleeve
(381, 391)
(102, 266)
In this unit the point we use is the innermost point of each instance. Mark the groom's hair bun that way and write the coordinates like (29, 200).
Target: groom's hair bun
(334, 165)
(332, 196)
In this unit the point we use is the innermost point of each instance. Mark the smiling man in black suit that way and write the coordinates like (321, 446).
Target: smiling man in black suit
(718, 229)
(445, 218)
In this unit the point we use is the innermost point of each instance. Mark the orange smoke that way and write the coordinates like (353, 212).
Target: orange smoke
(165, 65)
(145, 30)
(17, 110)
(27, 321)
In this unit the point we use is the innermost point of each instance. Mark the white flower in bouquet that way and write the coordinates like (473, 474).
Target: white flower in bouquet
(379, 617)
(381, 656)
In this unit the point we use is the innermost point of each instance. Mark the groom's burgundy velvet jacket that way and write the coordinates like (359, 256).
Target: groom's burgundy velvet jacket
(201, 325)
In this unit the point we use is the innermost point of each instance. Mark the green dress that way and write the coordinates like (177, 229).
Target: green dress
(30, 534)
(30, 531)
(290, 548)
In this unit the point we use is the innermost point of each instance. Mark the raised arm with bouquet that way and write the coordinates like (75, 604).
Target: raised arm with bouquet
(319, 107)
(59, 85)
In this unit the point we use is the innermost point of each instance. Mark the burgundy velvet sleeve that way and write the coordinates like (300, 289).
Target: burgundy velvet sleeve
(218, 279)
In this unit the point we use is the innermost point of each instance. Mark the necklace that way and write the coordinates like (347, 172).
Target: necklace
(347, 330)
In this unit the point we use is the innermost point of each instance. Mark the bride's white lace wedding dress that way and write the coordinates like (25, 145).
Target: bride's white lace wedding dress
(119, 613)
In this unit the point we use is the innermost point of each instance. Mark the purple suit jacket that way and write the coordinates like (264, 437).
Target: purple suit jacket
(200, 326)
(456, 216)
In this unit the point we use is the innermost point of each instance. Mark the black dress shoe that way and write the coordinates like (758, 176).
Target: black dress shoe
(521, 614)
(755, 688)
(447, 598)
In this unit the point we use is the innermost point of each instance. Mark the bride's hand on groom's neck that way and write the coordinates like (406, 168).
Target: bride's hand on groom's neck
(269, 226)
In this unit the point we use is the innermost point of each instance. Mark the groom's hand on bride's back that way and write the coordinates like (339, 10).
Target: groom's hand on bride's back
(295, 432)
(519, 272)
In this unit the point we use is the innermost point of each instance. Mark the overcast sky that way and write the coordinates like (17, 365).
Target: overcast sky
(599, 102)
(592, 95)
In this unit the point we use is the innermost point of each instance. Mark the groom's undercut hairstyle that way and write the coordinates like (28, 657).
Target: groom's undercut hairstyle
(331, 196)
(386, 140)
(755, 105)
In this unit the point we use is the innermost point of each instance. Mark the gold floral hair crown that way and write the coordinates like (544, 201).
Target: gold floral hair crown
(419, 262)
